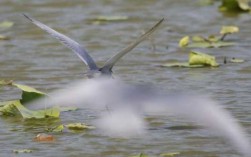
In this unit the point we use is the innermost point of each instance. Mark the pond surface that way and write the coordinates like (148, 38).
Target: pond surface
(33, 58)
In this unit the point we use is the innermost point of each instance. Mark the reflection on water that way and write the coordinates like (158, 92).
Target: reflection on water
(33, 58)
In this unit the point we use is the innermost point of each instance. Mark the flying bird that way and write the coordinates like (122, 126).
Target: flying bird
(93, 69)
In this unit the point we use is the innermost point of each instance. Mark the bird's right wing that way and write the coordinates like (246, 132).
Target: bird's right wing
(110, 63)
(68, 42)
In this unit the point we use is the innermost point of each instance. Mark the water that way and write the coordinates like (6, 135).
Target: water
(33, 58)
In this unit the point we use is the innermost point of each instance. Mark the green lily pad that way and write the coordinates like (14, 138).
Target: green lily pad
(170, 154)
(236, 60)
(15, 108)
(22, 151)
(198, 58)
(184, 41)
(5, 82)
(229, 29)
(111, 18)
(78, 126)
(2, 37)
(59, 128)
(140, 155)
(6, 24)
(234, 5)
(182, 65)
(28, 93)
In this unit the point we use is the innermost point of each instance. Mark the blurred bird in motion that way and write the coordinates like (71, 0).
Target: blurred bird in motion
(121, 109)
(93, 69)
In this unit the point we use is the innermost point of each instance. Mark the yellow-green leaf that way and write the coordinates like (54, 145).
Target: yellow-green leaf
(140, 155)
(182, 65)
(22, 151)
(78, 126)
(184, 41)
(15, 108)
(2, 37)
(28, 93)
(229, 29)
(8, 108)
(198, 38)
(198, 58)
(6, 24)
(4, 82)
(235, 5)
(236, 60)
(59, 128)
(170, 154)
(111, 18)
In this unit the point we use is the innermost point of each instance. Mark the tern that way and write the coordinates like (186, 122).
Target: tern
(93, 69)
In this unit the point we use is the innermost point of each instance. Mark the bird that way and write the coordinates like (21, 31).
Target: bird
(93, 70)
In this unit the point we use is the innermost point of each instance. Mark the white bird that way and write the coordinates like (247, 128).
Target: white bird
(93, 69)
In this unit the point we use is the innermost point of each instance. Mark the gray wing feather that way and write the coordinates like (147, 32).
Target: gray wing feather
(110, 63)
(71, 44)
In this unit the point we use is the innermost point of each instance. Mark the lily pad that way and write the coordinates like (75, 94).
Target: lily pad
(184, 41)
(6, 24)
(198, 58)
(210, 45)
(111, 18)
(28, 93)
(170, 154)
(5, 82)
(78, 126)
(2, 37)
(182, 65)
(15, 108)
(234, 5)
(140, 155)
(59, 128)
(236, 60)
(229, 29)
(22, 151)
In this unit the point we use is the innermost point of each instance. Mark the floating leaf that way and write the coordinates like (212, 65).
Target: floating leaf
(6, 24)
(198, 38)
(14, 108)
(22, 151)
(2, 37)
(8, 108)
(198, 58)
(234, 5)
(28, 93)
(170, 154)
(210, 45)
(182, 65)
(59, 128)
(4, 82)
(140, 155)
(236, 60)
(184, 41)
(79, 126)
(229, 29)
(111, 18)
(44, 138)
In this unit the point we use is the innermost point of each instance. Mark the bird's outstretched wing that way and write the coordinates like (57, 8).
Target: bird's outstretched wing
(110, 62)
(68, 42)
